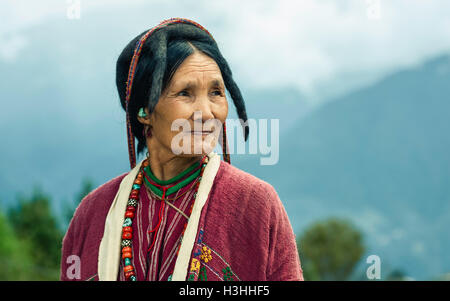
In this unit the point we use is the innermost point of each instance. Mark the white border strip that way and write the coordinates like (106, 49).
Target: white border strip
(187, 244)
(109, 250)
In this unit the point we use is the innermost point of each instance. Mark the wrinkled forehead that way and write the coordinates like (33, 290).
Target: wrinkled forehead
(197, 70)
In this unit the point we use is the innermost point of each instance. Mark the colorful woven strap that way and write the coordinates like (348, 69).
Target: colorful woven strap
(225, 151)
(131, 73)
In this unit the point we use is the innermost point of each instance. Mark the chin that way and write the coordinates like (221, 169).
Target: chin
(194, 145)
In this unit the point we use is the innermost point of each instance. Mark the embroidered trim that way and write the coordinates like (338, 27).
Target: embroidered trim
(212, 271)
(227, 274)
(195, 265)
(206, 254)
(201, 260)
(202, 276)
(226, 263)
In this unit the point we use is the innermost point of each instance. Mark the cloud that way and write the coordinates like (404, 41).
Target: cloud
(317, 46)
(17, 15)
(11, 46)
(307, 43)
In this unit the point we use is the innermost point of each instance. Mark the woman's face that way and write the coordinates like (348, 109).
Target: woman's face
(190, 112)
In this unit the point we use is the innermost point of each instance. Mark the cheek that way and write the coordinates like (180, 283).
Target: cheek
(167, 113)
(221, 111)
(179, 110)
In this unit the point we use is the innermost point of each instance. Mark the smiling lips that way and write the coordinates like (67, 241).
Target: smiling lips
(203, 133)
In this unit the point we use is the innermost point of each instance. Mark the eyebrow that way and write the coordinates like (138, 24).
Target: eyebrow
(216, 83)
(213, 83)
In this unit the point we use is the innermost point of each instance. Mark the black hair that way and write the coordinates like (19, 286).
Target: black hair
(161, 55)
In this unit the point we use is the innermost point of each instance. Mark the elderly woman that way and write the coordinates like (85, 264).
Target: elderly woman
(181, 213)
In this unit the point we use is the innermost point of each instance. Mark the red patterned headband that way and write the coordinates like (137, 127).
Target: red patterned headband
(131, 73)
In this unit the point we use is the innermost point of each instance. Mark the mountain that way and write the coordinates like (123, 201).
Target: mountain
(379, 156)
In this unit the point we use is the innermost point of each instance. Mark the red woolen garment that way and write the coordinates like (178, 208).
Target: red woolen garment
(158, 263)
(243, 234)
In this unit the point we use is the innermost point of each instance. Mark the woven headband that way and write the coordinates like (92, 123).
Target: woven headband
(131, 73)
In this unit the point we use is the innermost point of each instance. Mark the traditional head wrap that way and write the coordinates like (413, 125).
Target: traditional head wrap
(159, 48)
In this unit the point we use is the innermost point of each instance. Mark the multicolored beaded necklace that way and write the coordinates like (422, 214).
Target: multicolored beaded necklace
(161, 189)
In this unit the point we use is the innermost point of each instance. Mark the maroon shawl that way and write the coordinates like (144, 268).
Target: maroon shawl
(243, 234)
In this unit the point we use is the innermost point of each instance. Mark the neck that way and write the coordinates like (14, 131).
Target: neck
(165, 166)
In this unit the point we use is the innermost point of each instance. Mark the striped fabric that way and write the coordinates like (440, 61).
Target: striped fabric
(159, 263)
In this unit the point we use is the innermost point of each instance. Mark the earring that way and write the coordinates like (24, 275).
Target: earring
(226, 154)
(142, 113)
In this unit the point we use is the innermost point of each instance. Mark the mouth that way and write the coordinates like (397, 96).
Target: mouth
(200, 133)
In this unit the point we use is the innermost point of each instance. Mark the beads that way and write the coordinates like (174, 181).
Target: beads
(126, 243)
(127, 235)
(128, 268)
(129, 271)
(132, 202)
(129, 214)
(127, 255)
(129, 274)
(134, 194)
(127, 230)
(127, 222)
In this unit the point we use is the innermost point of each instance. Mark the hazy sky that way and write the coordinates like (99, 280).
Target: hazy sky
(61, 120)
(319, 46)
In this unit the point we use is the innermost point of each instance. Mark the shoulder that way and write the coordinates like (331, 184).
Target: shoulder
(238, 179)
(85, 231)
(245, 187)
(98, 201)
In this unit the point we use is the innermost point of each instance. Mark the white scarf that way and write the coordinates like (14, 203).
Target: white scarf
(110, 245)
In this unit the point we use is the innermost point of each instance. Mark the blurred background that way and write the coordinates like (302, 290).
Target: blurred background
(361, 89)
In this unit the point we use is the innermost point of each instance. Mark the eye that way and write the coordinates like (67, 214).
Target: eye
(216, 92)
(183, 93)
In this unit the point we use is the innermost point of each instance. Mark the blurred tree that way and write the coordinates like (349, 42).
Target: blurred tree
(87, 185)
(14, 259)
(330, 250)
(35, 225)
(396, 275)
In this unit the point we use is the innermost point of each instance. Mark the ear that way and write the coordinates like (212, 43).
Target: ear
(144, 120)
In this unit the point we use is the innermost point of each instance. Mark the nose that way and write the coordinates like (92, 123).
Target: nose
(202, 110)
